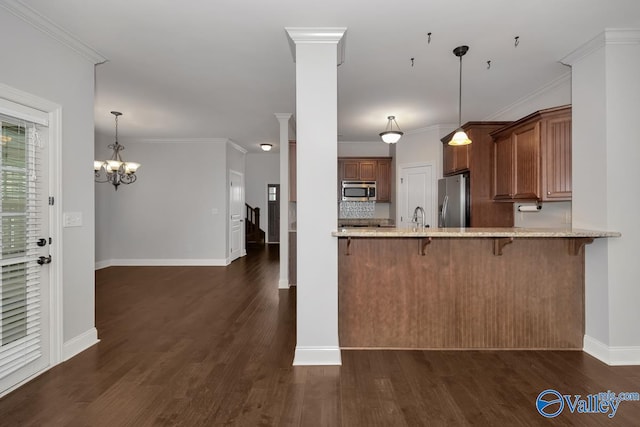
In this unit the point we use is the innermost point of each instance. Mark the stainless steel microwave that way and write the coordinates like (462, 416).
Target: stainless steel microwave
(358, 191)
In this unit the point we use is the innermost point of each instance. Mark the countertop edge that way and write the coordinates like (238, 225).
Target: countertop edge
(474, 232)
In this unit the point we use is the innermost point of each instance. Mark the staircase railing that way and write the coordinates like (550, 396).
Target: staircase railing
(253, 232)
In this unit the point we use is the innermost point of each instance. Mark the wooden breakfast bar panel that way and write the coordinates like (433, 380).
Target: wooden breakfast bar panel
(459, 294)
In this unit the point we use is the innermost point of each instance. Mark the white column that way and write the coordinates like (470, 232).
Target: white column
(283, 118)
(606, 154)
(316, 50)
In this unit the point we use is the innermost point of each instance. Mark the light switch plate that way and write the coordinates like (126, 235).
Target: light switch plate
(72, 219)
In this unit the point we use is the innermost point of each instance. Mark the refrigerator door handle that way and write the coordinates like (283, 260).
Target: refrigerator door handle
(445, 203)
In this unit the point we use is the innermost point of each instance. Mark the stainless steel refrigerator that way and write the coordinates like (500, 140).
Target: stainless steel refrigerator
(454, 201)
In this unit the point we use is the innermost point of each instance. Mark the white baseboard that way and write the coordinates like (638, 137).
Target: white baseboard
(103, 264)
(162, 262)
(315, 356)
(79, 344)
(612, 356)
(283, 284)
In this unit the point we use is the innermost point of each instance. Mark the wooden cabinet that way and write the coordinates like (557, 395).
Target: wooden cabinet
(292, 171)
(556, 160)
(475, 159)
(532, 157)
(383, 179)
(455, 159)
(367, 169)
(358, 169)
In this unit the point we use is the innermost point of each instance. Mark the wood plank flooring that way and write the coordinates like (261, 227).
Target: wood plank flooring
(210, 346)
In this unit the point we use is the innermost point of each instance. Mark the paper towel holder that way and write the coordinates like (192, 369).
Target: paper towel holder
(530, 208)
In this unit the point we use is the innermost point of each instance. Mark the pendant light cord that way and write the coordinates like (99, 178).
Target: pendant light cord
(460, 96)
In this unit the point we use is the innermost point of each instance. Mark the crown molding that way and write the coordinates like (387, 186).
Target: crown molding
(442, 129)
(177, 140)
(610, 36)
(53, 30)
(317, 35)
(237, 147)
(566, 77)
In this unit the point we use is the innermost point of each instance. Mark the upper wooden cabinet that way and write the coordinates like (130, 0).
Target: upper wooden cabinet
(383, 178)
(475, 160)
(532, 157)
(455, 158)
(367, 169)
(359, 169)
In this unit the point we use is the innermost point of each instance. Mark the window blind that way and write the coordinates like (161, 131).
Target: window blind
(20, 216)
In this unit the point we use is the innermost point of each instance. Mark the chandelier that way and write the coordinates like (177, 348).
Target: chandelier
(116, 170)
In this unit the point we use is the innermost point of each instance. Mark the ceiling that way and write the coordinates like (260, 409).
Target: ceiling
(221, 69)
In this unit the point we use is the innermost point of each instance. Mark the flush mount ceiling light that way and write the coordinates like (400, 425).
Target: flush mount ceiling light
(389, 135)
(460, 137)
(116, 170)
(266, 147)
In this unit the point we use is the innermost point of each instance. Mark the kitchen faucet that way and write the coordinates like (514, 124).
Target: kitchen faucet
(415, 216)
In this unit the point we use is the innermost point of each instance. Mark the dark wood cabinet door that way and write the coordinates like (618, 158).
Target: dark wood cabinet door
(384, 180)
(503, 168)
(448, 159)
(351, 170)
(368, 170)
(556, 159)
(526, 146)
(461, 158)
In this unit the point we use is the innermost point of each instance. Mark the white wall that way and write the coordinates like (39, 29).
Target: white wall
(364, 149)
(166, 216)
(422, 146)
(606, 93)
(44, 67)
(261, 169)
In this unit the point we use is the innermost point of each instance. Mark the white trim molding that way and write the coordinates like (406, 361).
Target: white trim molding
(80, 343)
(564, 78)
(283, 284)
(609, 36)
(53, 30)
(317, 356)
(314, 35)
(172, 262)
(612, 356)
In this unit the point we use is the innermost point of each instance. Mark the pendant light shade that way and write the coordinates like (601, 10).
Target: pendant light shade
(460, 137)
(389, 135)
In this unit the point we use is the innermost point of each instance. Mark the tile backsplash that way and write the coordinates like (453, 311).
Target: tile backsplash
(357, 209)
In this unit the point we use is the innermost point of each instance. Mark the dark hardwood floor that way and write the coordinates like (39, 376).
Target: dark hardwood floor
(209, 346)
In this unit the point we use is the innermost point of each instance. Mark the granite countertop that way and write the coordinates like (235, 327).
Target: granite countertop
(369, 222)
(472, 232)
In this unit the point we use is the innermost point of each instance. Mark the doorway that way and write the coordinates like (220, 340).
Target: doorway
(416, 187)
(28, 320)
(236, 215)
(273, 213)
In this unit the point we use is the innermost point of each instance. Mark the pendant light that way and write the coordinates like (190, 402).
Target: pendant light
(389, 135)
(460, 137)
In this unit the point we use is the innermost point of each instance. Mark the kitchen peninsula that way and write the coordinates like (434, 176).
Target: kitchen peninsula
(469, 288)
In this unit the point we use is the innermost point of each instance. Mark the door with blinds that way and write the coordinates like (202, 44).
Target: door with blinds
(24, 253)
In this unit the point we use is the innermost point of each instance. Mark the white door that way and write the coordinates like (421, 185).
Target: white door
(417, 187)
(236, 209)
(24, 255)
